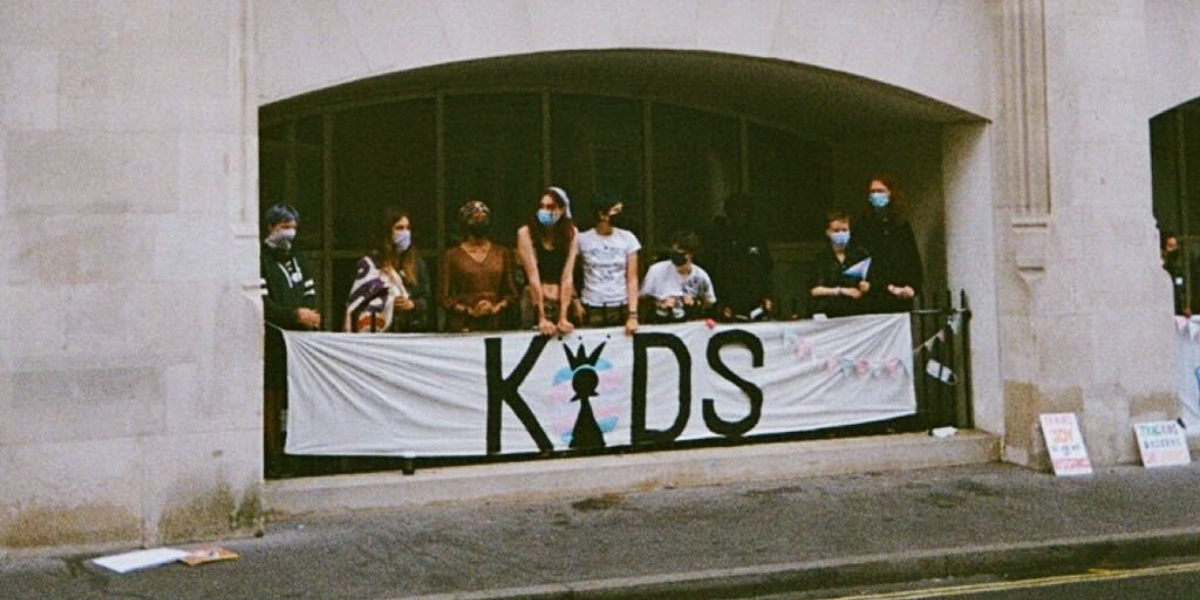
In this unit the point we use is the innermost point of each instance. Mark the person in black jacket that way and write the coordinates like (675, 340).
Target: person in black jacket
(835, 292)
(289, 293)
(289, 302)
(738, 260)
(1172, 261)
(896, 276)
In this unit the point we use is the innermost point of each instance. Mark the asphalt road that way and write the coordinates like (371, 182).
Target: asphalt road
(1173, 581)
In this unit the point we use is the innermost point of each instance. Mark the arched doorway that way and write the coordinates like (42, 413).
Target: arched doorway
(675, 135)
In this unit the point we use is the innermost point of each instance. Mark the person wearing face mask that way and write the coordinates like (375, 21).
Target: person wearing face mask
(835, 292)
(680, 289)
(391, 286)
(289, 298)
(738, 258)
(547, 247)
(475, 281)
(896, 274)
(289, 293)
(610, 270)
(1172, 262)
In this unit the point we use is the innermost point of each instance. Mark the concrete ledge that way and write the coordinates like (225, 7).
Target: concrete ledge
(642, 472)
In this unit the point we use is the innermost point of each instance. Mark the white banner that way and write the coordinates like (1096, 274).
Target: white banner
(491, 393)
(1187, 342)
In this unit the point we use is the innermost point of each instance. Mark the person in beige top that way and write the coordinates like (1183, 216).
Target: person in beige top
(475, 281)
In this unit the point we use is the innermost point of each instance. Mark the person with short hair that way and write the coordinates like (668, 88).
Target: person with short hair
(609, 257)
(680, 289)
(289, 297)
(475, 282)
(837, 292)
(884, 232)
(547, 248)
(390, 291)
(289, 292)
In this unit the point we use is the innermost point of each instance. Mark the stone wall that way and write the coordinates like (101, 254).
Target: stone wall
(130, 332)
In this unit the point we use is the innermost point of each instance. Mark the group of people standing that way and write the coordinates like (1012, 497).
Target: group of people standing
(878, 269)
(591, 278)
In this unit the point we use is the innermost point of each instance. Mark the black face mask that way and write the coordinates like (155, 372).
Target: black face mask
(478, 229)
(678, 258)
(280, 254)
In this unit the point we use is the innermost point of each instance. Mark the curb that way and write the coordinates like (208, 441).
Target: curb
(1026, 558)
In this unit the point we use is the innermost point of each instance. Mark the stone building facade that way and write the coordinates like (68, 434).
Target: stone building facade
(130, 329)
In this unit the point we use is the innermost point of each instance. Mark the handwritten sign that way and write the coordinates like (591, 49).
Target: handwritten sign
(1162, 444)
(1068, 453)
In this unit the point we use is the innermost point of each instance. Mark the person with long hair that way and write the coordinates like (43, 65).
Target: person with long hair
(391, 285)
(895, 275)
(610, 270)
(546, 246)
(475, 281)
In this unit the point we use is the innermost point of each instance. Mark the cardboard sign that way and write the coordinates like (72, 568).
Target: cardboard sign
(1162, 444)
(1068, 453)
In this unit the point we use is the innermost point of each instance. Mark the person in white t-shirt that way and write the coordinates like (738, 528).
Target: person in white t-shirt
(680, 289)
(610, 271)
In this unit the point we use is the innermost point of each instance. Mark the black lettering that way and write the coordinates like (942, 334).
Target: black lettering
(504, 390)
(734, 337)
(642, 342)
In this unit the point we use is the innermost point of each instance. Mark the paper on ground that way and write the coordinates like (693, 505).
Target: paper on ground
(206, 555)
(140, 559)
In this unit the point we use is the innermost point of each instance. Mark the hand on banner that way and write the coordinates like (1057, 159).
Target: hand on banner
(404, 304)
(482, 308)
(631, 324)
(851, 292)
(902, 292)
(308, 318)
(545, 327)
(565, 327)
(864, 286)
(688, 300)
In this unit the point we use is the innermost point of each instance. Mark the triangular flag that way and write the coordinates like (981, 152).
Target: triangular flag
(859, 269)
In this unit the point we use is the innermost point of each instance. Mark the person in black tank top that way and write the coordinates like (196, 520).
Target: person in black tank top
(547, 247)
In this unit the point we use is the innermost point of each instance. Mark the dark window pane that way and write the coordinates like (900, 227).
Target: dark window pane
(597, 150)
(493, 153)
(697, 165)
(272, 166)
(309, 194)
(790, 181)
(384, 156)
(1191, 133)
(1164, 152)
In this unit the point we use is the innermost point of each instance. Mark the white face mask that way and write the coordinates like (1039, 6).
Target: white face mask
(402, 239)
(281, 239)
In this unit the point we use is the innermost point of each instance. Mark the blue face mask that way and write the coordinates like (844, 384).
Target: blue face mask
(546, 217)
(840, 238)
(402, 239)
(879, 199)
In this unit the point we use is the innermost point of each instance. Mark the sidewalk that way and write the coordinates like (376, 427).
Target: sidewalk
(740, 539)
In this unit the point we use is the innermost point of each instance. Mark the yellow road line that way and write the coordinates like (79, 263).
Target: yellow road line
(999, 586)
